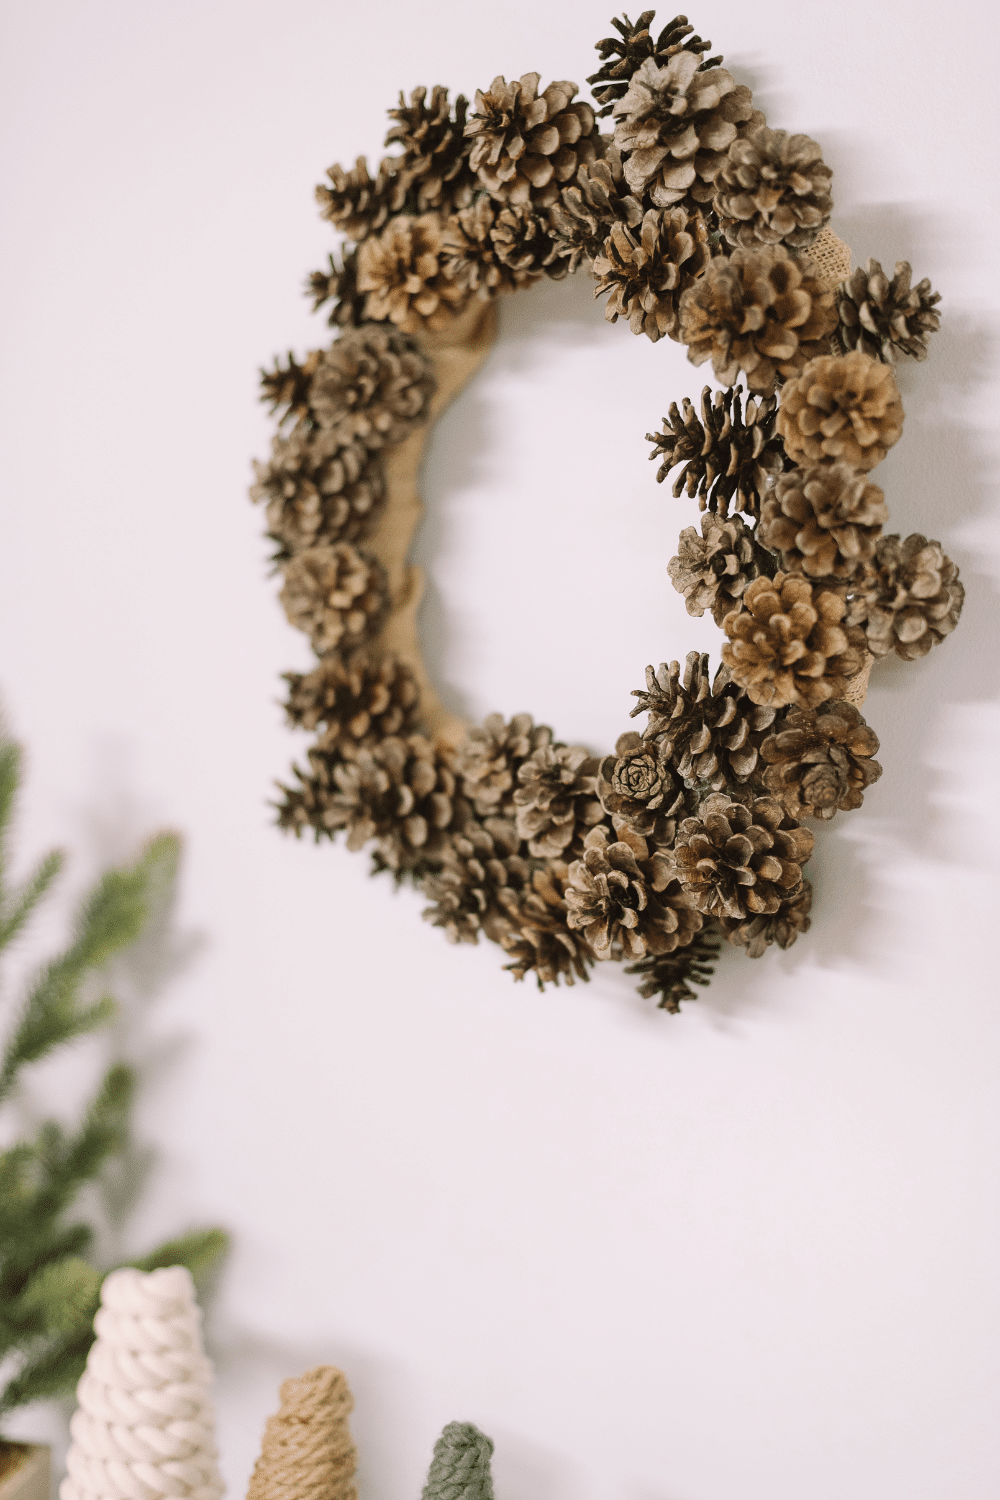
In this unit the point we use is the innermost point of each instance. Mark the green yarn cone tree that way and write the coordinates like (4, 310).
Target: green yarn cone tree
(460, 1468)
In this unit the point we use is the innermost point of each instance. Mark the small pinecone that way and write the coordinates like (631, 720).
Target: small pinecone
(626, 901)
(525, 145)
(820, 760)
(488, 759)
(404, 275)
(474, 258)
(675, 125)
(476, 865)
(824, 520)
(913, 599)
(316, 490)
(764, 311)
(631, 49)
(738, 861)
(843, 408)
(286, 388)
(359, 204)
(339, 286)
(373, 386)
(581, 220)
(755, 934)
(671, 975)
(335, 594)
(435, 160)
(727, 456)
(538, 939)
(789, 643)
(638, 787)
(773, 187)
(523, 241)
(646, 272)
(708, 733)
(357, 701)
(714, 570)
(555, 800)
(886, 318)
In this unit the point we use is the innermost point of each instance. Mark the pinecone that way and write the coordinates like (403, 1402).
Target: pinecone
(763, 311)
(842, 408)
(626, 901)
(671, 975)
(403, 271)
(713, 570)
(358, 701)
(358, 204)
(886, 318)
(435, 162)
(288, 386)
(476, 865)
(646, 272)
(674, 126)
(581, 220)
(339, 285)
(755, 934)
(488, 759)
(773, 187)
(633, 47)
(526, 144)
(737, 861)
(523, 241)
(708, 733)
(555, 800)
(474, 257)
(727, 456)
(640, 789)
(317, 491)
(538, 939)
(820, 760)
(913, 599)
(335, 594)
(824, 520)
(373, 386)
(789, 643)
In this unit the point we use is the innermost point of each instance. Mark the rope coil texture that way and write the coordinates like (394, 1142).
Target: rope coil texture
(145, 1426)
(460, 1468)
(307, 1452)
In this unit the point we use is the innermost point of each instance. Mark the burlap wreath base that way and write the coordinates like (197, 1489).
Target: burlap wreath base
(703, 225)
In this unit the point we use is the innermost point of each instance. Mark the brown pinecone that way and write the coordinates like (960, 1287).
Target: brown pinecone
(286, 388)
(708, 733)
(763, 311)
(538, 939)
(646, 272)
(842, 408)
(488, 759)
(755, 934)
(625, 900)
(356, 700)
(555, 799)
(727, 456)
(316, 490)
(820, 760)
(523, 241)
(671, 975)
(526, 144)
(824, 520)
(737, 861)
(339, 286)
(789, 643)
(773, 187)
(373, 386)
(713, 570)
(335, 594)
(477, 863)
(581, 220)
(629, 51)
(474, 257)
(404, 273)
(674, 126)
(358, 204)
(435, 162)
(638, 787)
(913, 599)
(886, 318)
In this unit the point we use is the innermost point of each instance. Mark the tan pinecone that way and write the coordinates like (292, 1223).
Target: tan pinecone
(789, 643)
(913, 598)
(625, 900)
(773, 188)
(523, 241)
(373, 387)
(525, 145)
(634, 45)
(476, 256)
(359, 204)
(842, 408)
(285, 390)
(824, 520)
(674, 126)
(316, 490)
(729, 456)
(671, 975)
(403, 272)
(714, 570)
(819, 760)
(338, 285)
(886, 318)
(478, 863)
(637, 786)
(708, 732)
(488, 759)
(582, 218)
(645, 272)
(537, 939)
(740, 861)
(356, 700)
(434, 164)
(337, 595)
(555, 800)
(766, 312)
(755, 934)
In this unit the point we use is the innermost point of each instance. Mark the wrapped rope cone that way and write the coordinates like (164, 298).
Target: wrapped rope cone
(307, 1452)
(460, 1468)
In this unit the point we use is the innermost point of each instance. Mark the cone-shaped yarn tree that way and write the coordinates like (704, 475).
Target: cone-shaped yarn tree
(145, 1425)
(460, 1468)
(307, 1452)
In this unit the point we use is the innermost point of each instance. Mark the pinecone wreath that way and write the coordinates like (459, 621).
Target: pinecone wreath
(701, 224)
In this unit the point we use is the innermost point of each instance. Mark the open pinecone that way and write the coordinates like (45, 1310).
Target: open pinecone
(913, 598)
(630, 49)
(842, 408)
(645, 273)
(335, 594)
(434, 165)
(316, 490)
(598, 198)
(627, 901)
(755, 934)
(789, 643)
(404, 273)
(373, 386)
(727, 456)
(488, 759)
(819, 760)
(824, 520)
(639, 788)
(357, 700)
(765, 311)
(671, 975)
(538, 940)
(525, 145)
(737, 861)
(886, 318)
(478, 863)
(708, 733)
(713, 570)
(474, 257)
(338, 285)
(773, 187)
(555, 799)
(359, 204)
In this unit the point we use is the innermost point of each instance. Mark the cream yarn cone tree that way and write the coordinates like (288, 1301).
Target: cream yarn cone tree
(145, 1426)
(307, 1452)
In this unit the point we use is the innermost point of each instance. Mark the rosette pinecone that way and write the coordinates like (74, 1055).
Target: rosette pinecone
(404, 273)
(640, 789)
(359, 204)
(523, 241)
(335, 594)
(819, 760)
(789, 643)
(477, 246)
(756, 934)
(555, 799)
(728, 456)
(737, 861)
(886, 318)
(625, 900)
(488, 759)
(766, 312)
(714, 570)
(525, 145)
(356, 700)
(634, 45)
(708, 733)
(315, 490)
(434, 165)
(824, 520)
(372, 386)
(671, 975)
(338, 285)
(477, 864)
(913, 599)
(842, 408)
(646, 272)
(581, 220)
(773, 187)
(538, 939)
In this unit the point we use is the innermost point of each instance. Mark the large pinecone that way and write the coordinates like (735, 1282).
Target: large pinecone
(525, 145)
(646, 272)
(766, 312)
(478, 864)
(824, 520)
(671, 975)
(337, 595)
(356, 700)
(714, 570)
(555, 799)
(886, 318)
(773, 187)
(842, 408)
(819, 760)
(789, 643)
(434, 165)
(316, 490)
(627, 901)
(488, 759)
(404, 273)
(674, 126)
(373, 386)
(492, 249)
(639, 788)
(359, 204)
(737, 861)
(728, 456)
(913, 598)
(756, 934)
(708, 732)
(538, 941)
(630, 49)
(582, 218)
(338, 285)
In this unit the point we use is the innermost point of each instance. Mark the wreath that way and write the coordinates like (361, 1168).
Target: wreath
(703, 225)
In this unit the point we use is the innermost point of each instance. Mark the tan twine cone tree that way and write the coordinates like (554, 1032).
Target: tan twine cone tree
(307, 1452)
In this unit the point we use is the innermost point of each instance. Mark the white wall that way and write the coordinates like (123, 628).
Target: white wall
(748, 1252)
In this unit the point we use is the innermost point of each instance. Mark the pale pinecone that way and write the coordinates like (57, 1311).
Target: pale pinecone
(913, 598)
(555, 800)
(538, 940)
(316, 490)
(373, 386)
(886, 318)
(434, 165)
(755, 934)
(671, 975)
(842, 408)
(824, 520)
(789, 642)
(646, 271)
(773, 187)
(338, 285)
(581, 220)
(404, 273)
(627, 901)
(740, 861)
(708, 732)
(819, 761)
(637, 786)
(477, 245)
(488, 759)
(359, 204)
(713, 570)
(336, 594)
(728, 456)
(477, 863)
(525, 145)
(634, 45)
(356, 700)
